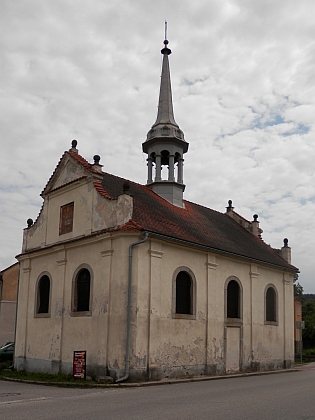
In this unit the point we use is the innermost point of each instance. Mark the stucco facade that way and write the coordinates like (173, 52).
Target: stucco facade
(148, 284)
(163, 343)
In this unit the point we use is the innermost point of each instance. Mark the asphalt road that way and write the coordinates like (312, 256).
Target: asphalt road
(277, 396)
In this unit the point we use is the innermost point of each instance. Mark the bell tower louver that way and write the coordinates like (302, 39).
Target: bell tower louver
(165, 144)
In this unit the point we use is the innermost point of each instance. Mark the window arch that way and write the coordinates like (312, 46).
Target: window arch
(271, 303)
(233, 299)
(184, 293)
(43, 295)
(81, 290)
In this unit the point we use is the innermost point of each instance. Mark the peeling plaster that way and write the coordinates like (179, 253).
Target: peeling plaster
(140, 361)
(174, 356)
(71, 172)
(112, 213)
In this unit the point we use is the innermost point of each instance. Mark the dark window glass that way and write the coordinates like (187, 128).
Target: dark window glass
(183, 293)
(233, 300)
(43, 295)
(83, 290)
(271, 304)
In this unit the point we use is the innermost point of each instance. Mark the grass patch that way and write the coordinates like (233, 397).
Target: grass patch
(42, 377)
(5, 365)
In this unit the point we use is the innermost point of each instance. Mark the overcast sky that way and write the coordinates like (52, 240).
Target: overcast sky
(243, 78)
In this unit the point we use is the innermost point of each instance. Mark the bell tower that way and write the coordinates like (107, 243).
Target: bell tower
(165, 144)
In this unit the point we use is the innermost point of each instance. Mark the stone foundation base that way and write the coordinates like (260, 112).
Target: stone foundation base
(142, 375)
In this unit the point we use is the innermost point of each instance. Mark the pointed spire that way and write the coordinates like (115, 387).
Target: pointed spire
(165, 144)
(165, 109)
(165, 125)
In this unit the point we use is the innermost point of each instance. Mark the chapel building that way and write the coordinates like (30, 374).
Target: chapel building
(150, 285)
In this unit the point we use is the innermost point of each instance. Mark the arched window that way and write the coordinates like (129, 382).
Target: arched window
(270, 304)
(43, 295)
(233, 300)
(184, 293)
(82, 291)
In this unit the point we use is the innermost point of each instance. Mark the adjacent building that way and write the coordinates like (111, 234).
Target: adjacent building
(8, 296)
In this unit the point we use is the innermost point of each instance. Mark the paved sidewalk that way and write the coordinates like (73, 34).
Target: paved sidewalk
(305, 366)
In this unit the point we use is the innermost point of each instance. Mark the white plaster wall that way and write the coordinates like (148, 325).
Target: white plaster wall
(160, 343)
(92, 212)
(185, 342)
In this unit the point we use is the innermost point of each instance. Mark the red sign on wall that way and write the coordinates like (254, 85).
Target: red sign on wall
(79, 364)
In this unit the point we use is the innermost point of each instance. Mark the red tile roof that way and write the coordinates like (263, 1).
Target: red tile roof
(194, 224)
(101, 191)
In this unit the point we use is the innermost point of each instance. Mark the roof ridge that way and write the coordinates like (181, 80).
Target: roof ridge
(205, 207)
(242, 217)
(52, 175)
(87, 165)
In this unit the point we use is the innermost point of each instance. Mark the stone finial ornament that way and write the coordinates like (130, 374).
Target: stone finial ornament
(97, 159)
(96, 165)
(255, 217)
(286, 250)
(74, 144)
(29, 222)
(230, 206)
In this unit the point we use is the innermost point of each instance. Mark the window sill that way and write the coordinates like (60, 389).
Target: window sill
(272, 323)
(81, 313)
(233, 322)
(183, 316)
(42, 315)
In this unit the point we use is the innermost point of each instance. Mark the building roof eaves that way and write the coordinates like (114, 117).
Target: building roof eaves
(288, 267)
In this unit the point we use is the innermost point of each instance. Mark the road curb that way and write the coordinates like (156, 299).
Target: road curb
(151, 383)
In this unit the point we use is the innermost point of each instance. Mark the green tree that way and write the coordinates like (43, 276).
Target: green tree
(298, 289)
(308, 312)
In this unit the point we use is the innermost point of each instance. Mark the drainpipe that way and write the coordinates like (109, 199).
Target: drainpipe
(146, 235)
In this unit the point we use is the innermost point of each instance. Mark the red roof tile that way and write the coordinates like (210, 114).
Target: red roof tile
(83, 162)
(194, 224)
(101, 191)
(131, 225)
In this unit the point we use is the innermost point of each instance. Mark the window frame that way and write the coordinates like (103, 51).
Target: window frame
(74, 311)
(37, 296)
(63, 229)
(233, 320)
(193, 294)
(276, 322)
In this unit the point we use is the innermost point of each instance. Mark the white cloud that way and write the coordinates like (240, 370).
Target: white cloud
(243, 83)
